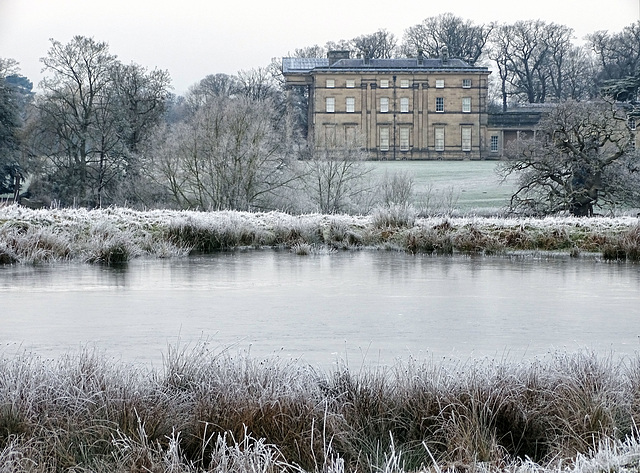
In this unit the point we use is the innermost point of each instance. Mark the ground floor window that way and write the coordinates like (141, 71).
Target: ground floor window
(350, 136)
(439, 138)
(404, 138)
(330, 136)
(494, 143)
(384, 139)
(466, 139)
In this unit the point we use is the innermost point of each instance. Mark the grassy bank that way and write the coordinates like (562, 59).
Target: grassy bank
(210, 412)
(117, 235)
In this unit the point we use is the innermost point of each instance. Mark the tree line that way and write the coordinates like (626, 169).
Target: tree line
(100, 132)
(533, 61)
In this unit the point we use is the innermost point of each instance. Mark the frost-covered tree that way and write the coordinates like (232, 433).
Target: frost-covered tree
(211, 87)
(336, 176)
(231, 154)
(92, 116)
(74, 131)
(580, 157)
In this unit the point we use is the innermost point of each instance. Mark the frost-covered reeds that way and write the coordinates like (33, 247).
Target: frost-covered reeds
(207, 410)
(115, 235)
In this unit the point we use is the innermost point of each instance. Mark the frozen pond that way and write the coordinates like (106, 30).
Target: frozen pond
(367, 307)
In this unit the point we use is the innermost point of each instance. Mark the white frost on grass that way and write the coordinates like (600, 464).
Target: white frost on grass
(121, 233)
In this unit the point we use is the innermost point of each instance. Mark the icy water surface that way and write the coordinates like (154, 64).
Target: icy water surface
(366, 307)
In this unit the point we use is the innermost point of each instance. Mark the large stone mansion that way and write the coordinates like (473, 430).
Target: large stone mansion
(411, 108)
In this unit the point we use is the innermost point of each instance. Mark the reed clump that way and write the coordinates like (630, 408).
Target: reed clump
(207, 411)
(394, 216)
(625, 246)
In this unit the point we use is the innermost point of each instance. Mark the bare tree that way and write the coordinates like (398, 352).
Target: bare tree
(229, 155)
(141, 99)
(75, 89)
(527, 59)
(618, 54)
(498, 52)
(91, 119)
(537, 62)
(379, 45)
(462, 38)
(342, 45)
(258, 84)
(580, 157)
(336, 176)
(396, 188)
(579, 76)
(560, 48)
(310, 51)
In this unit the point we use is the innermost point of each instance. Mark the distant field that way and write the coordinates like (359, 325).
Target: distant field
(466, 184)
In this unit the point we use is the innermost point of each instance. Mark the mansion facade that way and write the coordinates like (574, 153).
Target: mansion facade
(410, 108)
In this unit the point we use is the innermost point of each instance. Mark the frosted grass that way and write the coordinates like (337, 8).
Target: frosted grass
(207, 411)
(116, 235)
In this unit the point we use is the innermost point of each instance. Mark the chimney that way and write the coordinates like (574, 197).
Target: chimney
(444, 54)
(420, 57)
(335, 56)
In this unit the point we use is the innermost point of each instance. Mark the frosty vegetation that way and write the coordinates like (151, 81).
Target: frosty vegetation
(208, 411)
(116, 235)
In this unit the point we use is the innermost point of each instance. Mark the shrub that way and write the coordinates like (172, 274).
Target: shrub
(7, 256)
(393, 216)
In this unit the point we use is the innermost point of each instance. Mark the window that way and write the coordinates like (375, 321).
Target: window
(384, 139)
(351, 83)
(494, 143)
(439, 83)
(351, 104)
(404, 105)
(331, 83)
(439, 138)
(350, 136)
(632, 123)
(439, 104)
(404, 83)
(404, 138)
(466, 83)
(384, 83)
(330, 136)
(384, 104)
(331, 104)
(466, 104)
(466, 139)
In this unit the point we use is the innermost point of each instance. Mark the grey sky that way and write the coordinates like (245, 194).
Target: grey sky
(193, 38)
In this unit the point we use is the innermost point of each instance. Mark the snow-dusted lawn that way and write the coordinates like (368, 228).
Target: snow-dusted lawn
(118, 234)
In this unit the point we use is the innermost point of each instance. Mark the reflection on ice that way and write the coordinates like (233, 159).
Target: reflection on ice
(368, 307)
